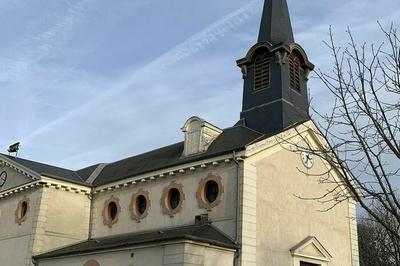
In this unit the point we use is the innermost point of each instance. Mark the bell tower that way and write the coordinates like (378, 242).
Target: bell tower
(275, 73)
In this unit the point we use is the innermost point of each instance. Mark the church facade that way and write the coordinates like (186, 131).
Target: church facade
(231, 196)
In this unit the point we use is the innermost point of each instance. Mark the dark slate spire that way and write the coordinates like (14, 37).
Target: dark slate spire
(275, 73)
(275, 24)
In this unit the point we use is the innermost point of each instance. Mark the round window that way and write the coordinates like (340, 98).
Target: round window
(174, 197)
(111, 211)
(22, 210)
(211, 191)
(91, 263)
(141, 204)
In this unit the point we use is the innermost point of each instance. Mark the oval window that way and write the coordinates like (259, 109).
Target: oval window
(91, 263)
(211, 191)
(22, 210)
(141, 204)
(174, 198)
(112, 210)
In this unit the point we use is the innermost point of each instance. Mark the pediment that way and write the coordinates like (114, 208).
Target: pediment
(16, 175)
(311, 248)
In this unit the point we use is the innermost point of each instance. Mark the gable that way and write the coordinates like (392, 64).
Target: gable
(14, 174)
(295, 140)
(14, 178)
(311, 248)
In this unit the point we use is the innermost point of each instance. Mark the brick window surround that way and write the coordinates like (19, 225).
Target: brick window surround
(91, 263)
(134, 206)
(165, 199)
(202, 191)
(23, 208)
(111, 211)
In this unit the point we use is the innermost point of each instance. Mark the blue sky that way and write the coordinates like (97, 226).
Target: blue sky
(88, 81)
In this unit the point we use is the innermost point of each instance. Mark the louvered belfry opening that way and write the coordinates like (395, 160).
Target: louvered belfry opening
(294, 69)
(262, 71)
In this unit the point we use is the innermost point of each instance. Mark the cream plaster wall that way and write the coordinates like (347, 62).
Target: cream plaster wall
(168, 254)
(141, 257)
(223, 215)
(63, 219)
(16, 240)
(283, 220)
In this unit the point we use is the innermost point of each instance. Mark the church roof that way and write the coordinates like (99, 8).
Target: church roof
(231, 139)
(49, 170)
(85, 173)
(203, 233)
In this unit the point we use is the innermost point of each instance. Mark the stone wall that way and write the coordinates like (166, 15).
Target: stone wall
(284, 219)
(222, 216)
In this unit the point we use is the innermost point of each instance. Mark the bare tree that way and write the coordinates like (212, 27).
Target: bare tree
(376, 246)
(363, 128)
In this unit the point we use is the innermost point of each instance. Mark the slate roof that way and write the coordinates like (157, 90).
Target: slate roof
(203, 233)
(86, 172)
(49, 170)
(275, 23)
(231, 139)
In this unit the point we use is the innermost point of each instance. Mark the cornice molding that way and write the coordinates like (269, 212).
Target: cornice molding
(48, 183)
(19, 168)
(167, 172)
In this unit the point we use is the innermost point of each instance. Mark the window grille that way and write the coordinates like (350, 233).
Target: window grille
(294, 69)
(261, 71)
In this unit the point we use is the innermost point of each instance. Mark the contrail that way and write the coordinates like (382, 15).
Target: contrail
(47, 42)
(187, 48)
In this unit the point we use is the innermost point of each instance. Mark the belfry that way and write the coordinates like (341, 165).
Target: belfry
(275, 73)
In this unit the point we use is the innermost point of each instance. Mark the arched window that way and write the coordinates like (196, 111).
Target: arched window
(294, 69)
(261, 71)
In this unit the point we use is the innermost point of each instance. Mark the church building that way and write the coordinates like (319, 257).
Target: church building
(233, 196)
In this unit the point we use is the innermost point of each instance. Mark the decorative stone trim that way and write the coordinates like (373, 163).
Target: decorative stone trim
(19, 168)
(112, 202)
(165, 173)
(310, 250)
(165, 199)
(133, 207)
(201, 192)
(91, 263)
(44, 183)
(23, 208)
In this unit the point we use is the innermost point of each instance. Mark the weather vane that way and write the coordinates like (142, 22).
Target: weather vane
(14, 149)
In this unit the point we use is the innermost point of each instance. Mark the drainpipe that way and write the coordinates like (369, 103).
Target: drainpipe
(237, 240)
(91, 196)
